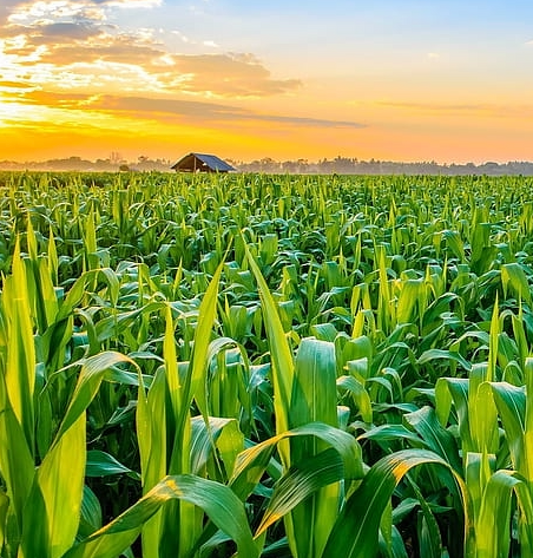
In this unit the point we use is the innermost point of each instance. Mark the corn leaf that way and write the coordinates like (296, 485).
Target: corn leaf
(91, 375)
(102, 464)
(58, 492)
(16, 461)
(493, 535)
(355, 534)
(300, 482)
(252, 462)
(282, 361)
(218, 501)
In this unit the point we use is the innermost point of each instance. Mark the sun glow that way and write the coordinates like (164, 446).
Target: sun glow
(12, 111)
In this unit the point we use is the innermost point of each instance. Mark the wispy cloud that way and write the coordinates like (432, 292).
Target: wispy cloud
(28, 13)
(471, 109)
(177, 111)
(13, 86)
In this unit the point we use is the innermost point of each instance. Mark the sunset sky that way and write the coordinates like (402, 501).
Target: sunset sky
(417, 80)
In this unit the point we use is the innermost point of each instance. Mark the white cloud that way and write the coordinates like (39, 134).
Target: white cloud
(94, 10)
(183, 37)
(129, 4)
(54, 10)
(70, 44)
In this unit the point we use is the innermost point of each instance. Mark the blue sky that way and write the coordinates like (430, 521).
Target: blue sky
(407, 80)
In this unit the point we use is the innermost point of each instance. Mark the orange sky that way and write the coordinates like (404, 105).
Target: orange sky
(434, 81)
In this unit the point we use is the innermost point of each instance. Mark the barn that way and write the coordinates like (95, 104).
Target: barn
(201, 162)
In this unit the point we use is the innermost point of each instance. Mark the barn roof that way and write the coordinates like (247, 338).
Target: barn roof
(202, 162)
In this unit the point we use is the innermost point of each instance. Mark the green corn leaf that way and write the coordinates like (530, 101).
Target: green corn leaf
(511, 404)
(229, 444)
(90, 514)
(314, 399)
(411, 290)
(202, 337)
(203, 437)
(91, 375)
(430, 544)
(359, 394)
(252, 462)
(324, 332)
(218, 501)
(482, 411)
(282, 361)
(430, 540)
(493, 533)
(52, 513)
(528, 426)
(358, 349)
(519, 332)
(478, 469)
(102, 464)
(17, 467)
(455, 244)
(20, 366)
(52, 259)
(75, 294)
(493, 343)
(396, 549)
(175, 390)
(152, 441)
(391, 432)
(300, 482)
(448, 390)
(151, 432)
(441, 354)
(180, 512)
(355, 534)
(514, 277)
(436, 438)
(4, 509)
(47, 293)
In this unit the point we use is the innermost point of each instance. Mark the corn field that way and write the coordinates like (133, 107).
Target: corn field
(265, 366)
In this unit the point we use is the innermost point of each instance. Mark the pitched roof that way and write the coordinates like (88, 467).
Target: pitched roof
(202, 161)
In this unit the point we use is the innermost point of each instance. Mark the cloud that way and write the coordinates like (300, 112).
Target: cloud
(225, 75)
(440, 107)
(473, 109)
(13, 85)
(130, 4)
(81, 49)
(62, 32)
(178, 111)
(63, 43)
(32, 11)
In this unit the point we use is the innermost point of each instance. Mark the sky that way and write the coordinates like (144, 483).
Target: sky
(401, 80)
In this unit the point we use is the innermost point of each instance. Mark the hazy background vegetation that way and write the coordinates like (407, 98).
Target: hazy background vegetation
(339, 165)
